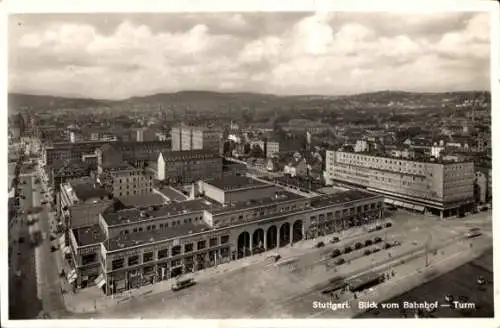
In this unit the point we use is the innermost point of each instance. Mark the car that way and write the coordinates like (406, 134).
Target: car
(387, 245)
(375, 250)
(378, 227)
(396, 243)
(371, 229)
(347, 249)
(481, 280)
(334, 240)
(43, 202)
(368, 242)
(358, 245)
(335, 253)
(21, 240)
(367, 252)
(339, 261)
(52, 237)
(320, 244)
(377, 240)
(53, 248)
(388, 225)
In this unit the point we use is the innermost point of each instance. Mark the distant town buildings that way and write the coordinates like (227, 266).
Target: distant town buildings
(188, 166)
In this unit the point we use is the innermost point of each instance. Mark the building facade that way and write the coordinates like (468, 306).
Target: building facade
(68, 151)
(146, 246)
(125, 180)
(188, 166)
(447, 188)
(196, 138)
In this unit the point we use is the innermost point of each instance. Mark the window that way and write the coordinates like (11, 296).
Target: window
(148, 269)
(148, 228)
(147, 257)
(372, 206)
(161, 225)
(201, 244)
(117, 264)
(135, 230)
(153, 227)
(176, 250)
(224, 239)
(188, 248)
(213, 242)
(89, 258)
(162, 253)
(133, 260)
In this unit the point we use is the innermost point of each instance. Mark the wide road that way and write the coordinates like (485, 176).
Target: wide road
(265, 290)
(23, 301)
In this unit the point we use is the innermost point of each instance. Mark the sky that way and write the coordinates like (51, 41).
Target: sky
(116, 56)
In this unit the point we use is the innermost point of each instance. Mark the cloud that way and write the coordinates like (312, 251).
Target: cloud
(315, 53)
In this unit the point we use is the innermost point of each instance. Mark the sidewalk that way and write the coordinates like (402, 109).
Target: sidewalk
(92, 299)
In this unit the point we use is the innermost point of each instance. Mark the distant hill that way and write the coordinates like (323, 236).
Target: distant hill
(214, 101)
(18, 100)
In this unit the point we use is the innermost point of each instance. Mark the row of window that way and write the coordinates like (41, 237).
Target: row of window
(135, 192)
(163, 225)
(163, 253)
(352, 210)
(256, 214)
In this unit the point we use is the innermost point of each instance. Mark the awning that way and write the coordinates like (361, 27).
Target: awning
(100, 281)
(398, 203)
(388, 201)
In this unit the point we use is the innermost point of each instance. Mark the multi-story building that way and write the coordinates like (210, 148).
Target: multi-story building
(187, 166)
(145, 134)
(447, 188)
(125, 180)
(270, 148)
(137, 153)
(196, 138)
(144, 246)
(68, 151)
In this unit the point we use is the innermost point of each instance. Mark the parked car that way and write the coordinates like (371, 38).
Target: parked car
(388, 225)
(339, 261)
(347, 249)
(368, 242)
(367, 252)
(320, 244)
(371, 229)
(53, 248)
(387, 245)
(21, 240)
(377, 240)
(358, 245)
(334, 240)
(378, 227)
(336, 253)
(396, 243)
(375, 250)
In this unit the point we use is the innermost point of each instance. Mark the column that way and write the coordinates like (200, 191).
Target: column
(291, 233)
(441, 214)
(251, 241)
(265, 239)
(277, 236)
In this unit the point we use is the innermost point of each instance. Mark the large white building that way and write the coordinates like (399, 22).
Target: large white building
(196, 138)
(443, 187)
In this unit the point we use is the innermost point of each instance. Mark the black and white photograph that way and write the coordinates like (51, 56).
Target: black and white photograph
(248, 164)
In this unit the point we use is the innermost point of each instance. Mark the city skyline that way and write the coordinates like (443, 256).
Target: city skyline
(111, 56)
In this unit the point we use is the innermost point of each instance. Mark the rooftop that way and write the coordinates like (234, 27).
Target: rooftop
(173, 194)
(169, 210)
(426, 159)
(171, 156)
(140, 238)
(235, 182)
(280, 196)
(340, 198)
(142, 200)
(85, 189)
(89, 235)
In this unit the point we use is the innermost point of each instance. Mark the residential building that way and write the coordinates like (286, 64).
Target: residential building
(189, 165)
(296, 167)
(444, 187)
(125, 180)
(145, 134)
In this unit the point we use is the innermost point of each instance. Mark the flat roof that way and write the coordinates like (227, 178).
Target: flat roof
(235, 182)
(173, 194)
(87, 190)
(140, 238)
(89, 235)
(169, 210)
(341, 198)
(142, 200)
(280, 197)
